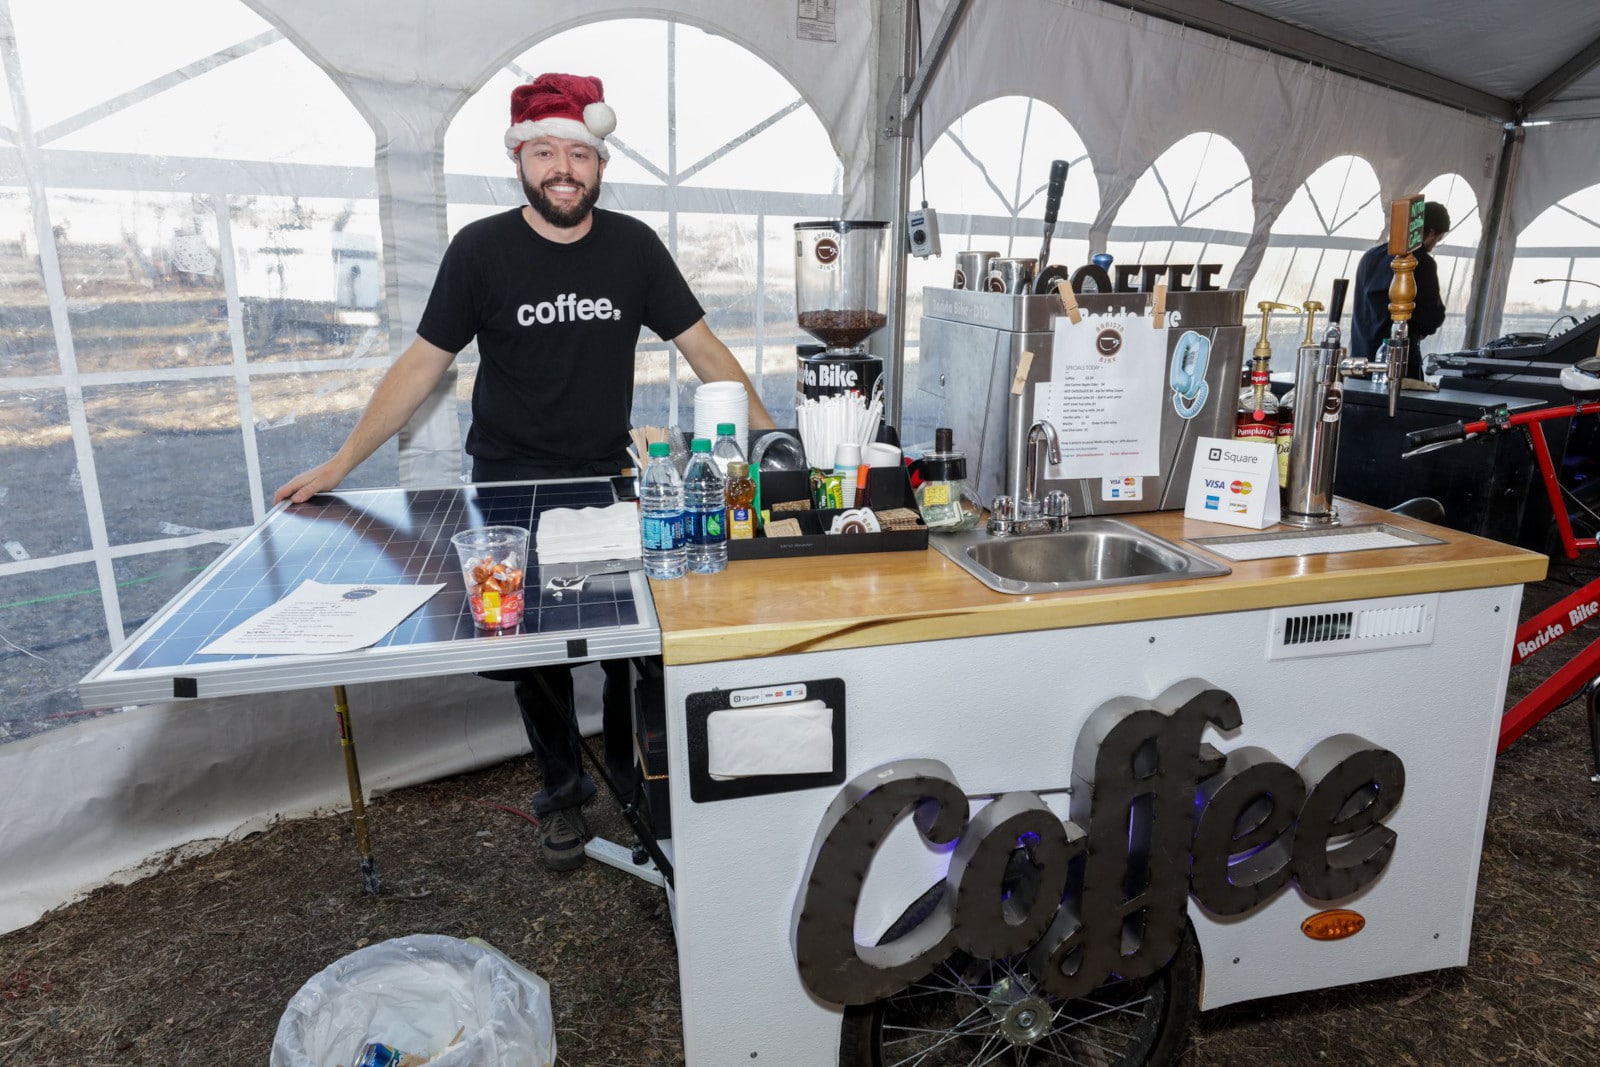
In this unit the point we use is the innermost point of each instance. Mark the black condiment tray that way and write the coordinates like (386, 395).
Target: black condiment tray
(887, 487)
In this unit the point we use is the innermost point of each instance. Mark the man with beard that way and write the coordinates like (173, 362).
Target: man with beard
(555, 293)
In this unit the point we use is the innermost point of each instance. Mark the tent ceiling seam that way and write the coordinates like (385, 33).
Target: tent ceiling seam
(1548, 88)
(1273, 35)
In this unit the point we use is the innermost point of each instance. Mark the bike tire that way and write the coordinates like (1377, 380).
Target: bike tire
(969, 1011)
(1582, 507)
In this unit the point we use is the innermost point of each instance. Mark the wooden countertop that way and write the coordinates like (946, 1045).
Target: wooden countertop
(774, 607)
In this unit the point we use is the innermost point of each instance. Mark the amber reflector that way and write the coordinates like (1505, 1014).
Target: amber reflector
(1333, 925)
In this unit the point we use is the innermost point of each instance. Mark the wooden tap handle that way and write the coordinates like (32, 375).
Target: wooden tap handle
(1403, 290)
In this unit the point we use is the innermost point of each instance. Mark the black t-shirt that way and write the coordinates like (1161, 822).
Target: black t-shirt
(556, 326)
(1369, 312)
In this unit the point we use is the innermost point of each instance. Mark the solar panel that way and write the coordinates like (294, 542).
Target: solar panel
(381, 536)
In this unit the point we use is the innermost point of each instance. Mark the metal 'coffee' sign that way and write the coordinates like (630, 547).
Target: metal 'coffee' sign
(1155, 815)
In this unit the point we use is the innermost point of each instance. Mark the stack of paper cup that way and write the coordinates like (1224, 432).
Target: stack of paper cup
(846, 458)
(716, 402)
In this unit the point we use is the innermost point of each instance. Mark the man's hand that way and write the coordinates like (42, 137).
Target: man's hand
(403, 389)
(306, 484)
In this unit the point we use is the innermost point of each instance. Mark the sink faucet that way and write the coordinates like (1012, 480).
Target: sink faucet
(1031, 506)
(1032, 514)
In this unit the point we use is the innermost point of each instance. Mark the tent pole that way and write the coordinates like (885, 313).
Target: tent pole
(903, 104)
(1492, 269)
(891, 197)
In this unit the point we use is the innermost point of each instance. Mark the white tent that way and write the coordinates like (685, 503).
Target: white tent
(219, 222)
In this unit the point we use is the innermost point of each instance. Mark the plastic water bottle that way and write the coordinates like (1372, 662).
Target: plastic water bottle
(663, 530)
(705, 510)
(726, 448)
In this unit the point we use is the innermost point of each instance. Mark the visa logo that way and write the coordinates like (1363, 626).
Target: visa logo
(1214, 483)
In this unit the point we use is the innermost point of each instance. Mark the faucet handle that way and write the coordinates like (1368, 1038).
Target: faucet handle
(1057, 507)
(1002, 514)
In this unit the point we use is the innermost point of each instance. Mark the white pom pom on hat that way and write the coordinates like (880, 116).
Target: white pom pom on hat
(571, 106)
(600, 119)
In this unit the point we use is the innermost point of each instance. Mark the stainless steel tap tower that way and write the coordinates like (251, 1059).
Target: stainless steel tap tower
(1319, 376)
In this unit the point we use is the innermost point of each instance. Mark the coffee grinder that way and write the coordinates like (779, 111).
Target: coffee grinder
(841, 293)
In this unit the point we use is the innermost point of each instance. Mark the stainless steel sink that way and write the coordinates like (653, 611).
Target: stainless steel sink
(1090, 553)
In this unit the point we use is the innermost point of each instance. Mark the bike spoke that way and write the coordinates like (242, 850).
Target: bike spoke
(955, 1017)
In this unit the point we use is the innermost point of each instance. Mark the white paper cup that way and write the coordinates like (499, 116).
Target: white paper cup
(846, 456)
(878, 454)
(719, 402)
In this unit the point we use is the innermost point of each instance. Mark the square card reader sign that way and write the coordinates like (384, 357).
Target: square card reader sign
(1234, 482)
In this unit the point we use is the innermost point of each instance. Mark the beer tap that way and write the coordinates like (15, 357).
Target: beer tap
(1402, 301)
(1318, 404)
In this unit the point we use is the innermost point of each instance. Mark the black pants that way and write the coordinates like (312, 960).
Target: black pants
(550, 716)
(553, 731)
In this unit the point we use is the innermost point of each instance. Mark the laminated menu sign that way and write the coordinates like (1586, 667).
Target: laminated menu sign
(316, 618)
(1105, 396)
(1234, 482)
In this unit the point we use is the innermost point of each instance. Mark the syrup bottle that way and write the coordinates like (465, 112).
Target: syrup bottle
(1256, 415)
(741, 495)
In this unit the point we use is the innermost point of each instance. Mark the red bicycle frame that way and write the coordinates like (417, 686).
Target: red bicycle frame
(1559, 621)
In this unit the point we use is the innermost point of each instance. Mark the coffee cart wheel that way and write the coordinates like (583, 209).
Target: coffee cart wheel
(974, 1011)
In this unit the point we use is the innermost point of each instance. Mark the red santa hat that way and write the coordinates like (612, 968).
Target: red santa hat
(572, 106)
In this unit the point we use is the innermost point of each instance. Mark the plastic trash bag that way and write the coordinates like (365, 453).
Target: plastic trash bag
(414, 994)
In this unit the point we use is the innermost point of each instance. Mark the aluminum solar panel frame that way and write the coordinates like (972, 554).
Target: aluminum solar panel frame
(380, 536)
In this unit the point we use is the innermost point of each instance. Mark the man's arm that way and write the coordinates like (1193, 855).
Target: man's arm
(402, 390)
(711, 361)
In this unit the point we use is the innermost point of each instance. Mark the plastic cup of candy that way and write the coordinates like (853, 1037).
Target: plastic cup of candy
(492, 562)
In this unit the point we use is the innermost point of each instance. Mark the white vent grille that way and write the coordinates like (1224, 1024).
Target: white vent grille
(1353, 626)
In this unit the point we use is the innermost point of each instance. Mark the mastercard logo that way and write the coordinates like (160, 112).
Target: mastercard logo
(1241, 487)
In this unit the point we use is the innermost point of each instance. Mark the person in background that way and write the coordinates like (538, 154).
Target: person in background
(1369, 316)
(555, 293)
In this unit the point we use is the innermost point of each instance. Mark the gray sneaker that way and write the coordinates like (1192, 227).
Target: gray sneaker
(561, 836)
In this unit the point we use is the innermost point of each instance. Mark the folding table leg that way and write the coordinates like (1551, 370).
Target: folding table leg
(358, 807)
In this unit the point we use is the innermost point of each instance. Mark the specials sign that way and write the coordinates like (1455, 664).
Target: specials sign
(1156, 816)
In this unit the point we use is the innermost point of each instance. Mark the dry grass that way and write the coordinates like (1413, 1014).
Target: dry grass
(195, 964)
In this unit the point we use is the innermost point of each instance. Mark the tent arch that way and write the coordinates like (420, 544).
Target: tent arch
(1183, 167)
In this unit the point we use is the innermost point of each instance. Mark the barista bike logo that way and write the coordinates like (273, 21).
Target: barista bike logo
(826, 251)
(1155, 816)
(1108, 342)
(1332, 405)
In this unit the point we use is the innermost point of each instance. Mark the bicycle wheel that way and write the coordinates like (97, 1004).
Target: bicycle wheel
(1583, 512)
(973, 1011)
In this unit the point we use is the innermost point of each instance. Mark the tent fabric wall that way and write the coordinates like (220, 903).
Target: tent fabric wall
(90, 803)
(1557, 160)
(1132, 86)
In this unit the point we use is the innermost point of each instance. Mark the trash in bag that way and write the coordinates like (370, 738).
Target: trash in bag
(423, 999)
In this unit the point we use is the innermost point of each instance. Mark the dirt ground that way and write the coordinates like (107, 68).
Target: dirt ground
(195, 964)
